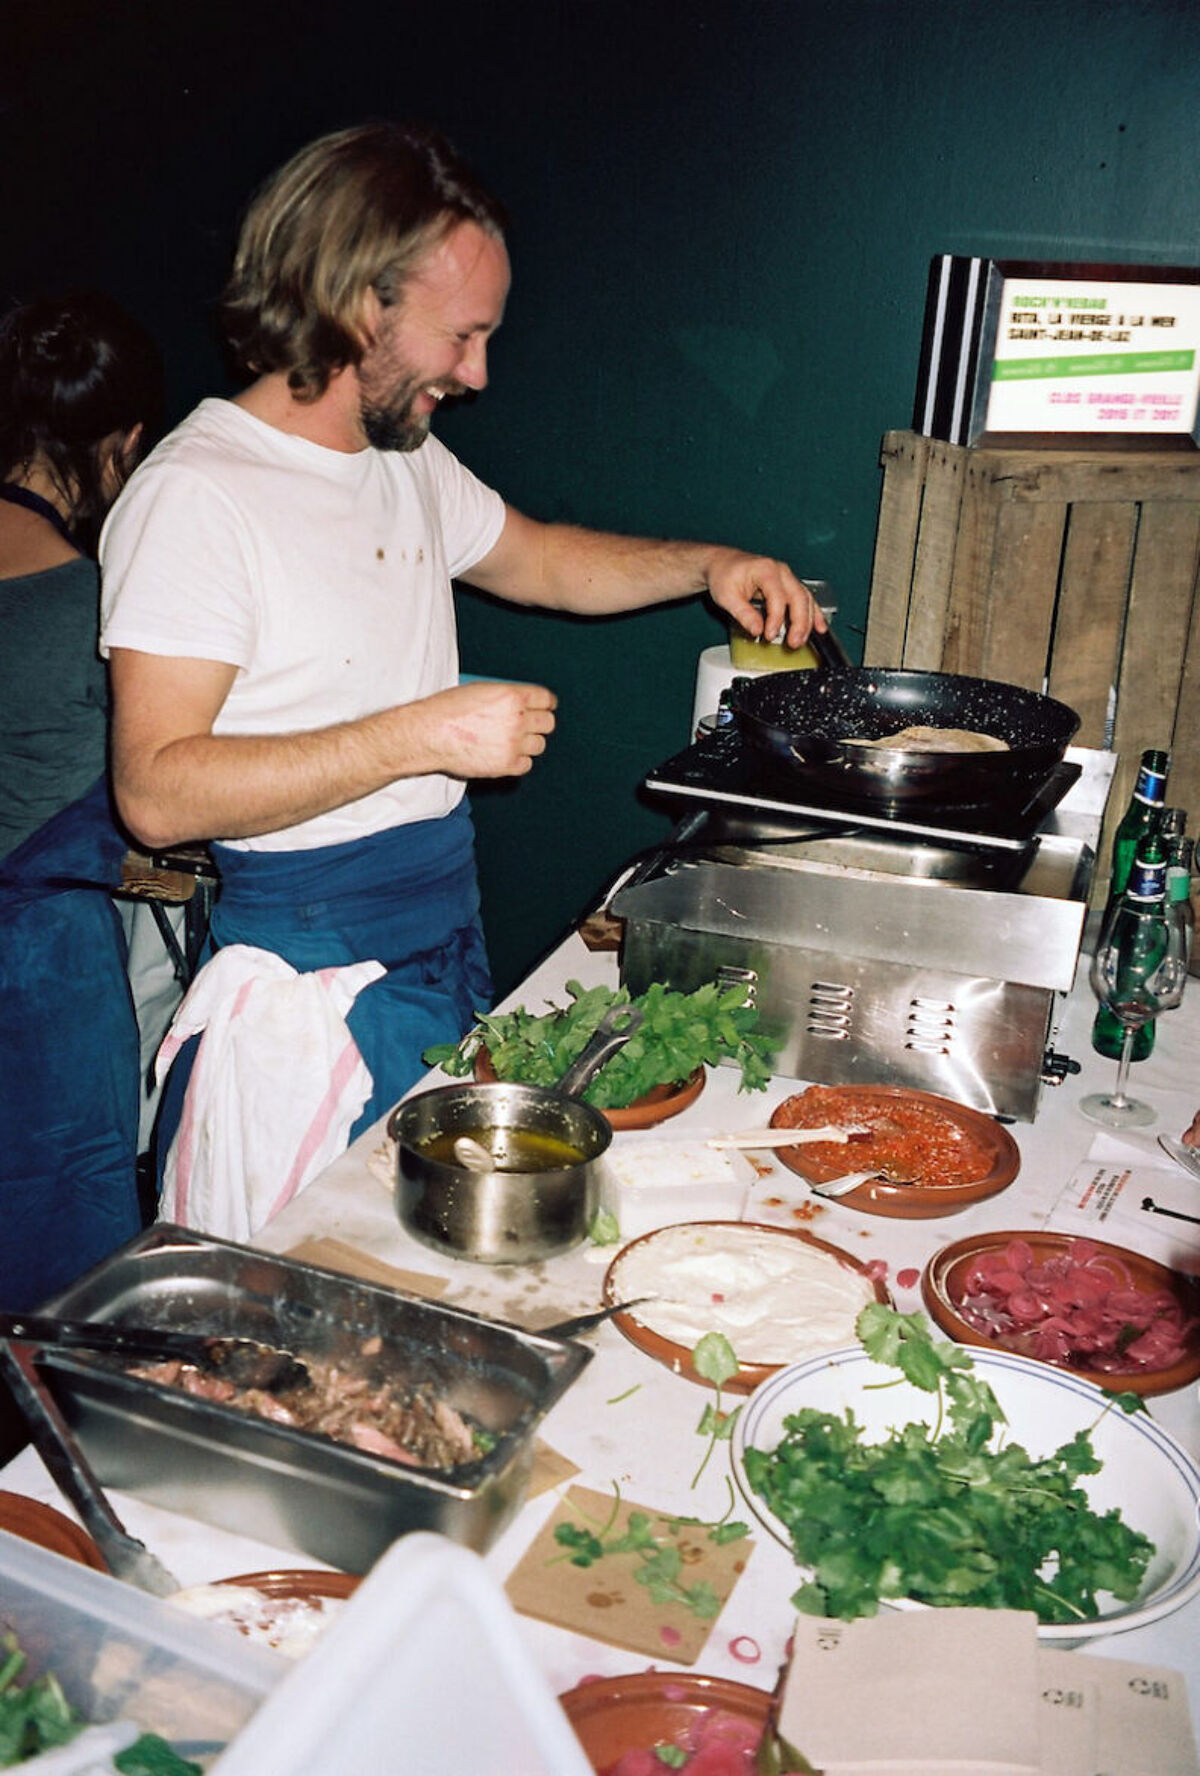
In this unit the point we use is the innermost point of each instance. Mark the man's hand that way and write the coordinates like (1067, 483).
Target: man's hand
(488, 729)
(763, 596)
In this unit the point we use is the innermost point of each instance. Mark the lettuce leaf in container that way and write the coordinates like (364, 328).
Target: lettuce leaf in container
(679, 1032)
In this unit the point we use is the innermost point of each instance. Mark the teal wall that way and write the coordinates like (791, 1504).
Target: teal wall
(722, 217)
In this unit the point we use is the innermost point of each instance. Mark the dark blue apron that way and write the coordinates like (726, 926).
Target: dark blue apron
(69, 1056)
(408, 898)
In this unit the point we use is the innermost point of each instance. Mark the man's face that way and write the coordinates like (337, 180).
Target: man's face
(433, 341)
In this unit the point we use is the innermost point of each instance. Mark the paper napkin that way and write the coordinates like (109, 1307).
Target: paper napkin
(911, 1694)
(970, 1692)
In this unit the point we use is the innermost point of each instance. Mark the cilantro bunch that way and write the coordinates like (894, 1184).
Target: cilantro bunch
(948, 1514)
(679, 1032)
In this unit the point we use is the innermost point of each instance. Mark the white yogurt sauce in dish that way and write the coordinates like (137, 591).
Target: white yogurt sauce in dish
(775, 1297)
(288, 1625)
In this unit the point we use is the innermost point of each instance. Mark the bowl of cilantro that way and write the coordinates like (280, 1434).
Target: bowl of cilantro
(908, 1472)
(657, 1073)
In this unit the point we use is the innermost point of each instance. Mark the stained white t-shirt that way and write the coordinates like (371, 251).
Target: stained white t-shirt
(323, 576)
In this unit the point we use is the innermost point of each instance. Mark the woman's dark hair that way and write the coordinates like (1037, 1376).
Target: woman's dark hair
(74, 370)
(352, 212)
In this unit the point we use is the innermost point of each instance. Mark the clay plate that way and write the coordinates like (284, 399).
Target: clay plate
(299, 1584)
(36, 1522)
(678, 1357)
(909, 1202)
(942, 1286)
(653, 1107)
(614, 1715)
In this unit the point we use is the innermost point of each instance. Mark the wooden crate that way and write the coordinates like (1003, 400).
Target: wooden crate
(1073, 573)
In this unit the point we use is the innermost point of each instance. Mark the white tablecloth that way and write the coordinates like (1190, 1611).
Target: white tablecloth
(628, 1420)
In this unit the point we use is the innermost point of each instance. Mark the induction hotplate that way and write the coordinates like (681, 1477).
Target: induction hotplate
(724, 768)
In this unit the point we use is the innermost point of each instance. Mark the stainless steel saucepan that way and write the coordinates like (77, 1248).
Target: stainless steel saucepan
(537, 1196)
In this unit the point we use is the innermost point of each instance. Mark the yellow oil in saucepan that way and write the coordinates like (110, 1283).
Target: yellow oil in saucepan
(512, 1149)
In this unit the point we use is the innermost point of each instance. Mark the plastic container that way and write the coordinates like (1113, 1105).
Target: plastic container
(749, 653)
(423, 1671)
(716, 668)
(122, 1655)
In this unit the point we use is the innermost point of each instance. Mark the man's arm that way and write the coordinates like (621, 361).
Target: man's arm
(593, 573)
(176, 780)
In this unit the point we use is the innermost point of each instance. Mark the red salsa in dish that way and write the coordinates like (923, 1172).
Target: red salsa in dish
(907, 1136)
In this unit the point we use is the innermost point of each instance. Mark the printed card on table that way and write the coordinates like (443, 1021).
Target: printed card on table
(1149, 1209)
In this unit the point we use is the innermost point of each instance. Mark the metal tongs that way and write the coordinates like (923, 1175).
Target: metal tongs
(125, 1557)
(243, 1361)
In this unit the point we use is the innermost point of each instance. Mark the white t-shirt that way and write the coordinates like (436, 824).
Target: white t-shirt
(323, 576)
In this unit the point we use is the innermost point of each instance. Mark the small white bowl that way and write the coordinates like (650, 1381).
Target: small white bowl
(1145, 1475)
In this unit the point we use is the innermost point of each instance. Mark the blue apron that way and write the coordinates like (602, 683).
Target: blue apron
(69, 1056)
(408, 898)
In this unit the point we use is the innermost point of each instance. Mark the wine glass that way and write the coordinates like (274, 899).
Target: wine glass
(1139, 970)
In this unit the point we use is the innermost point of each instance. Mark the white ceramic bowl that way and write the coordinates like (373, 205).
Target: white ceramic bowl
(1146, 1475)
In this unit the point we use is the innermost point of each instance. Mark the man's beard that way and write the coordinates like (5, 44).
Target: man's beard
(396, 426)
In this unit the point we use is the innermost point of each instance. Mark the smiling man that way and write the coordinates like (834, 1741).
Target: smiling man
(278, 610)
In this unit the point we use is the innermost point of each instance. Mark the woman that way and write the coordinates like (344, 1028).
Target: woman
(79, 383)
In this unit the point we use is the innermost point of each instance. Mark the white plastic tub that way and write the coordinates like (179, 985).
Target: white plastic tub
(423, 1673)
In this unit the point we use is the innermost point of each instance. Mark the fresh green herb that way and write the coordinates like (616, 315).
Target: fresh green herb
(484, 1441)
(152, 1756)
(948, 1514)
(673, 1756)
(616, 1399)
(679, 1032)
(660, 1564)
(714, 1359)
(34, 1717)
(38, 1717)
(603, 1229)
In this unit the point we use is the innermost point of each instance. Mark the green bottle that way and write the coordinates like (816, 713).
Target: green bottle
(1180, 850)
(1142, 817)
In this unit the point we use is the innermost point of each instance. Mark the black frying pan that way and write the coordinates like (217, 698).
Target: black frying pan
(807, 723)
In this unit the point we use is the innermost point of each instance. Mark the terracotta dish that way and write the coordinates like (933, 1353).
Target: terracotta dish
(678, 1357)
(653, 1107)
(615, 1715)
(943, 1287)
(990, 1145)
(298, 1583)
(36, 1522)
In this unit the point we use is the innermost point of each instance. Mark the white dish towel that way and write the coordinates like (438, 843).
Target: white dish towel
(277, 1084)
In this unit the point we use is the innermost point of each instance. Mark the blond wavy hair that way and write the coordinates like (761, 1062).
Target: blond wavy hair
(354, 211)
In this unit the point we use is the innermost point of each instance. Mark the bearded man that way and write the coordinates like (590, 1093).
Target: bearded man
(278, 610)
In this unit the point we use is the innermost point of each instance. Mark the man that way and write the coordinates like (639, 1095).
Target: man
(277, 601)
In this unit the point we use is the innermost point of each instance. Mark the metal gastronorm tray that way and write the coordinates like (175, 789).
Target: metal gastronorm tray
(284, 1486)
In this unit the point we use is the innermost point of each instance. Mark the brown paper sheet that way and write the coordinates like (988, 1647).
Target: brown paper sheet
(550, 1469)
(605, 1600)
(335, 1254)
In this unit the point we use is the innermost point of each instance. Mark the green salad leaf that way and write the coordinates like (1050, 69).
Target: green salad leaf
(679, 1032)
(948, 1513)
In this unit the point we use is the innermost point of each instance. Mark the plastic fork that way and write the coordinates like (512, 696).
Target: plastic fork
(851, 1180)
(784, 1137)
